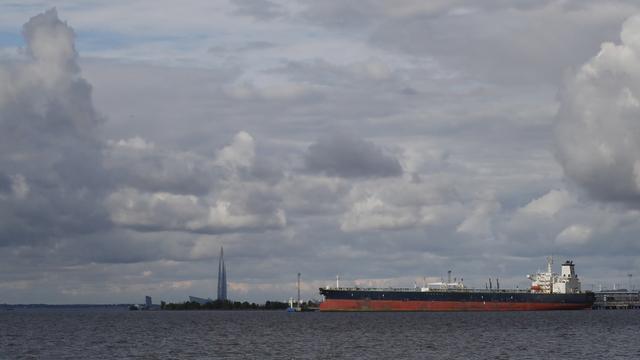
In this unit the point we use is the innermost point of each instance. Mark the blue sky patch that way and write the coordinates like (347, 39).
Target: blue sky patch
(10, 39)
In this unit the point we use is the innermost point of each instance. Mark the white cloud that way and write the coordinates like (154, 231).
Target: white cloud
(479, 221)
(19, 186)
(392, 204)
(597, 135)
(549, 204)
(240, 153)
(130, 207)
(272, 89)
(134, 143)
(221, 216)
(373, 69)
(164, 211)
(372, 213)
(574, 235)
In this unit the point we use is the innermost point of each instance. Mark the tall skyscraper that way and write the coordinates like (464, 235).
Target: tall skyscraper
(222, 277)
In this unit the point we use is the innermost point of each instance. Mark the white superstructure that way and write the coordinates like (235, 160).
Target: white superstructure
(442, 285)
(549, 282)
(458, 285)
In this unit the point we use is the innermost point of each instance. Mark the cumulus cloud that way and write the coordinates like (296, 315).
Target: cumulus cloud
(51, 43)
(139, 163)
(181, 191)
(479, 221)
(350, 157)
(305, 195)
(61, 181)
(240, 153)
(597, 133)
(372, 213)
(549, 204)
(165, 211)
(49, 140)
(574, 235)
(397, 203)
(542, 218)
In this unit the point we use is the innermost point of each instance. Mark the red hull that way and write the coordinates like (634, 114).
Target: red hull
(397, 305)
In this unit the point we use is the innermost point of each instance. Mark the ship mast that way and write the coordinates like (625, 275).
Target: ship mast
(550, 272)
(298, 289)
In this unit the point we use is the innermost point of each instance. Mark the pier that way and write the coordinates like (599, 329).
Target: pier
(617, 299)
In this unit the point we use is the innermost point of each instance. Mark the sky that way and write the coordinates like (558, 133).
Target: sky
(382, 141)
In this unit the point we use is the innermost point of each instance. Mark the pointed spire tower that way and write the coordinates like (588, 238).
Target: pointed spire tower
(222, 277)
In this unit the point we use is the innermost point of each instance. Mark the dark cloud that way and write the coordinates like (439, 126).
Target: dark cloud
(514, 49)
(5, 183)
(498, 41)
(409, 91)
(60, 180)
(258, 9)
(257, 45)
(49, 141)
(140, 164)
(248, 47)
(350, 157)
(339, 13)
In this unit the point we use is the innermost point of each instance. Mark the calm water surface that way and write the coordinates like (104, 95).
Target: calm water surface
(91, 334)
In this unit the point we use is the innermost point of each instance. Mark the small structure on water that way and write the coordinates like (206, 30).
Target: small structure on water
(617, 299)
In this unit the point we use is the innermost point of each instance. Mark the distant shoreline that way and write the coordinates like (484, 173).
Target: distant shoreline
(63, 306)
(183, 306)
(223, 305)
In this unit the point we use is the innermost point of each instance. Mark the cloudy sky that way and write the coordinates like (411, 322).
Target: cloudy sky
(384, 141)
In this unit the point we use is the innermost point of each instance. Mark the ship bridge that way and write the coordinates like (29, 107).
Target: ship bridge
(548, 282)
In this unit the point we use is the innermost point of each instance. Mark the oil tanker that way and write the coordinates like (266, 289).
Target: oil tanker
(549, 291)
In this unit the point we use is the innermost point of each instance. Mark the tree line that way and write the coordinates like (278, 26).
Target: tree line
(224, 305)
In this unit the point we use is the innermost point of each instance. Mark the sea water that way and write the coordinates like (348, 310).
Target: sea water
(101, 334)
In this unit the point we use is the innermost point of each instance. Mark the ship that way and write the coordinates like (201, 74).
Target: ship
(548, 291)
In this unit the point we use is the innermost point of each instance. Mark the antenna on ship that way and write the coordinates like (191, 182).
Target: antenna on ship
(497, 284)
(298, 289)
(490, 285)
(550, 272)
(449, 277)
(337, 281)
